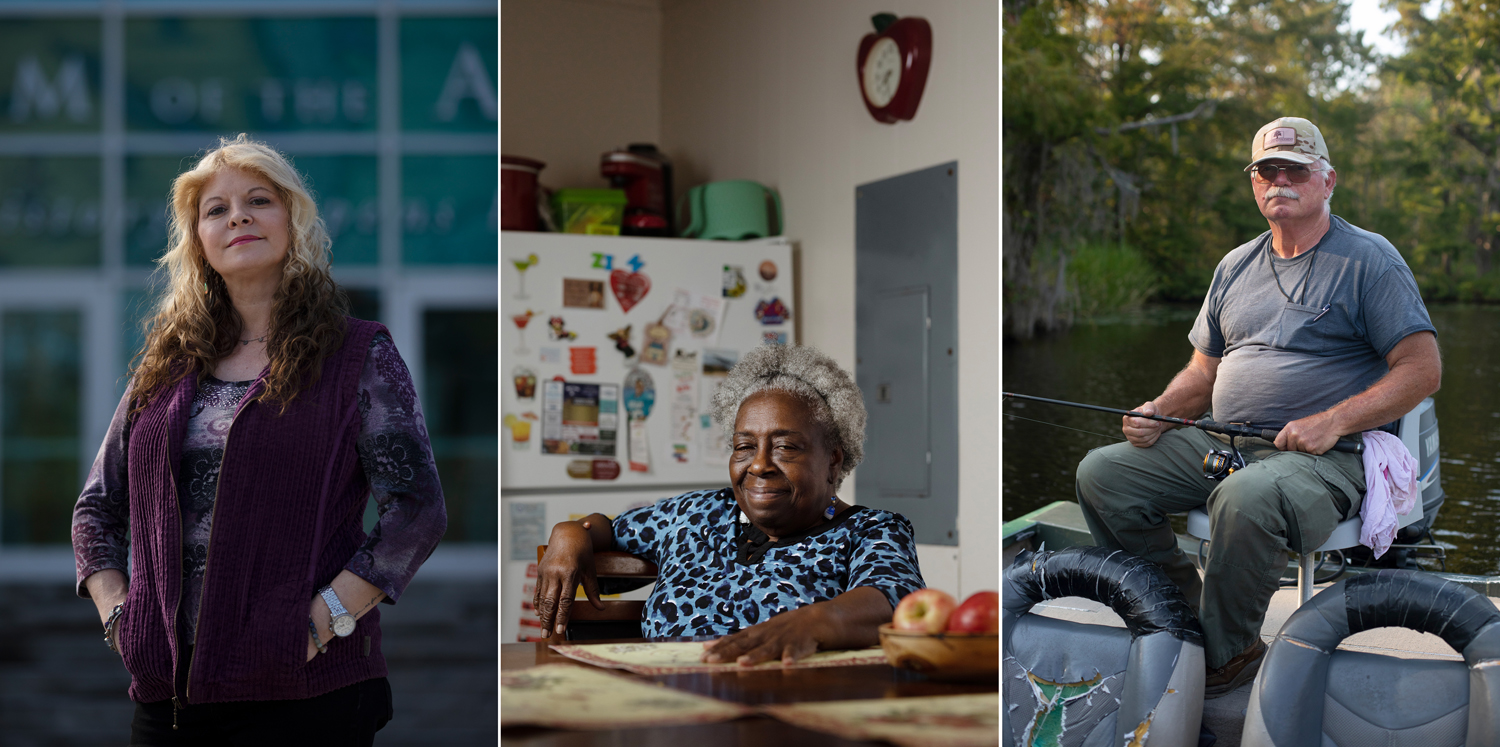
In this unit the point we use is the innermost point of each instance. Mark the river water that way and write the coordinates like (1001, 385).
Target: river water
(1124, 361)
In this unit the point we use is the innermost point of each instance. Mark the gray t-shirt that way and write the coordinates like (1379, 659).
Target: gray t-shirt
(1287, 359)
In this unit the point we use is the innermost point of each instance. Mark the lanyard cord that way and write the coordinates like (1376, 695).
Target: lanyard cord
(1306, 276)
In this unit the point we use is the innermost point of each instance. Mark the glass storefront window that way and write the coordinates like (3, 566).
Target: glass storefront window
(459, 398)
(49, 211)
(39, 424)
(449, 211)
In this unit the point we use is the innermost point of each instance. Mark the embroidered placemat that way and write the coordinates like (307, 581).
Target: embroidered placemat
(657, 657)
(570, 697)
(934, 721)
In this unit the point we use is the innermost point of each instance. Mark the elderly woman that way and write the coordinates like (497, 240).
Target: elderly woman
(258, 421)
(775, 564)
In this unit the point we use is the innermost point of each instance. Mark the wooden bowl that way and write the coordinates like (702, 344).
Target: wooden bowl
(943, 656)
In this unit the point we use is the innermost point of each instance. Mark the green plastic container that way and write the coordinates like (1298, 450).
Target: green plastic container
(591, 211)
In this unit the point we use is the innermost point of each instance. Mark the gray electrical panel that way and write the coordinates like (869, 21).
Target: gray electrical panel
(906, 347)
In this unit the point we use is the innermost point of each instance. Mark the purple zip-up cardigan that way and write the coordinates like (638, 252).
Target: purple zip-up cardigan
(287, 519)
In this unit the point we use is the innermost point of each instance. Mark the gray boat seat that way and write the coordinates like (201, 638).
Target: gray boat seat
(1423, 446)
(1345, 535)
(1093, 685)
(1309, 694)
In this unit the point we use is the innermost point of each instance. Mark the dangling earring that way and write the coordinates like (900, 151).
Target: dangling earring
(833, 504)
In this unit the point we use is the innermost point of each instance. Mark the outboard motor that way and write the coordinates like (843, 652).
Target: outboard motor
(1309, 694)
(1067, 683)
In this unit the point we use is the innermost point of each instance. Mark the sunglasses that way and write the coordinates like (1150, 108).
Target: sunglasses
(1296, 173)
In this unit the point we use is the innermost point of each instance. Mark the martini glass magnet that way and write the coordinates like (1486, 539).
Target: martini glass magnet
(521, 320)
(522, 265)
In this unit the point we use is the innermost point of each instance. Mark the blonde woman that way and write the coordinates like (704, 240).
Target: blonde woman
(234, 477)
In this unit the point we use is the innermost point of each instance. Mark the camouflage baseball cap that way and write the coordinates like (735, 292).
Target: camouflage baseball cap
(1288, 138)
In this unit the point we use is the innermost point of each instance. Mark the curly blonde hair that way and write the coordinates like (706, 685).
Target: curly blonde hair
(195, 324)
(836, 402)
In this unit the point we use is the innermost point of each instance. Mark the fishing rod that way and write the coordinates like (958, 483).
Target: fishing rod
(1228, 429)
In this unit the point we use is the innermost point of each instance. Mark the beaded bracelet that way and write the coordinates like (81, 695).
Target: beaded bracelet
(318, 642)
(109, 627)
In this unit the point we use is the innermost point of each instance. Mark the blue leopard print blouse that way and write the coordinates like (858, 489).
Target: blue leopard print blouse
(712, 583)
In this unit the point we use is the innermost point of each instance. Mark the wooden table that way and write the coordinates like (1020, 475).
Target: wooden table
(756, 687)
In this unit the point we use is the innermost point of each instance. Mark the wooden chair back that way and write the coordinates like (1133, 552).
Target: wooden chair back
(620, 618)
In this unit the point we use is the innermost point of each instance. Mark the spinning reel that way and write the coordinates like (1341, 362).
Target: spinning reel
(1218, 464)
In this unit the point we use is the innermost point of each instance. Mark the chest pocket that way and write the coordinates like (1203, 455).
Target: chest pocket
(1310, 329)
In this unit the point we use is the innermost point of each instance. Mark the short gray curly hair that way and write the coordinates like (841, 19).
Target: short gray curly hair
(806, 372)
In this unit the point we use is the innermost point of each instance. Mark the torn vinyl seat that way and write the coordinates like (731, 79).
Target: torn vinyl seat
(1067, 683)
(1310, 694)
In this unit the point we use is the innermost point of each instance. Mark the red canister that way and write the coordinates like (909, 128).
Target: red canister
(518, 203)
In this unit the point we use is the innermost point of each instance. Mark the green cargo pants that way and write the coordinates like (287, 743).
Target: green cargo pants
(1280, 501)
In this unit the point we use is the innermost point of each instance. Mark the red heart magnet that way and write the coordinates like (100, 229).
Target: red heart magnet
(629, 287)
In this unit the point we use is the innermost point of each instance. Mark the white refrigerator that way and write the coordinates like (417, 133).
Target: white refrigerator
(612, 348)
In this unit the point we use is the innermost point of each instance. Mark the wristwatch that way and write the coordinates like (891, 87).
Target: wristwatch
(343, 622)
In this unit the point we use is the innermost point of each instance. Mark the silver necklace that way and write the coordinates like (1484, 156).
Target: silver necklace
(262, 338)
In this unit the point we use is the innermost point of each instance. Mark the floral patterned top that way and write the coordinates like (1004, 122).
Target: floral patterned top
(393, 449)
(718, 575)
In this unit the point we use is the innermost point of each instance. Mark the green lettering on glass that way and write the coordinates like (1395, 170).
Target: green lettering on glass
(49, 75)
(449, 209)
(448, 74)
(250, 74)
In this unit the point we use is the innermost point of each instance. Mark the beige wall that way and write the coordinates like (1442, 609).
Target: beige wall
(578, 78)
(766, 90)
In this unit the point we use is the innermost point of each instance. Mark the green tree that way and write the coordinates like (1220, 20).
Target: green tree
(1130, 121)
(1456, 59)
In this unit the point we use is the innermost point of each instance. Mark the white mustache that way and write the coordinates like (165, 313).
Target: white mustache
(1287, 192)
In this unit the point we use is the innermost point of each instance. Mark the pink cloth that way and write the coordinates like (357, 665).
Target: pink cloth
(1390, 489)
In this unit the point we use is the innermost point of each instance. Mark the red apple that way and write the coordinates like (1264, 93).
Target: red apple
(924, 611)
(980, 613)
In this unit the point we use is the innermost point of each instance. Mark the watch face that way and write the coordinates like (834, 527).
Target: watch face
(343, 625)
(882, 75)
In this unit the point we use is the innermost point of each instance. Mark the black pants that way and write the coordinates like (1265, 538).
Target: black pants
(346, 717)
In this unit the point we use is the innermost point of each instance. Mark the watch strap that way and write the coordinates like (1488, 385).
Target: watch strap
(334, 604)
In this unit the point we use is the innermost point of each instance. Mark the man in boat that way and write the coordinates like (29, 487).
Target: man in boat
(1315, 328)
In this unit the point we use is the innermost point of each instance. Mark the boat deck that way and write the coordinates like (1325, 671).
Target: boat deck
(1061, 525)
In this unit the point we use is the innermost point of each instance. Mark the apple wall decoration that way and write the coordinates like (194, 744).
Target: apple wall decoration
(892, 66)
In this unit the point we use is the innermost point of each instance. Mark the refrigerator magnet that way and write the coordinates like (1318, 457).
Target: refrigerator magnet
(520, 429)
(525, 381)
(629, 287)
(621, 338)
(768, 271)
(640, 446)
(734, 281)
(700, 323)
(522, 265)
(593, 469)
(583, 294)
(772, 311)
(583, 361)
(639, 395)
(559, 330)
(552, 356)
(654, 347)
(521, 320)
(773, 338)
